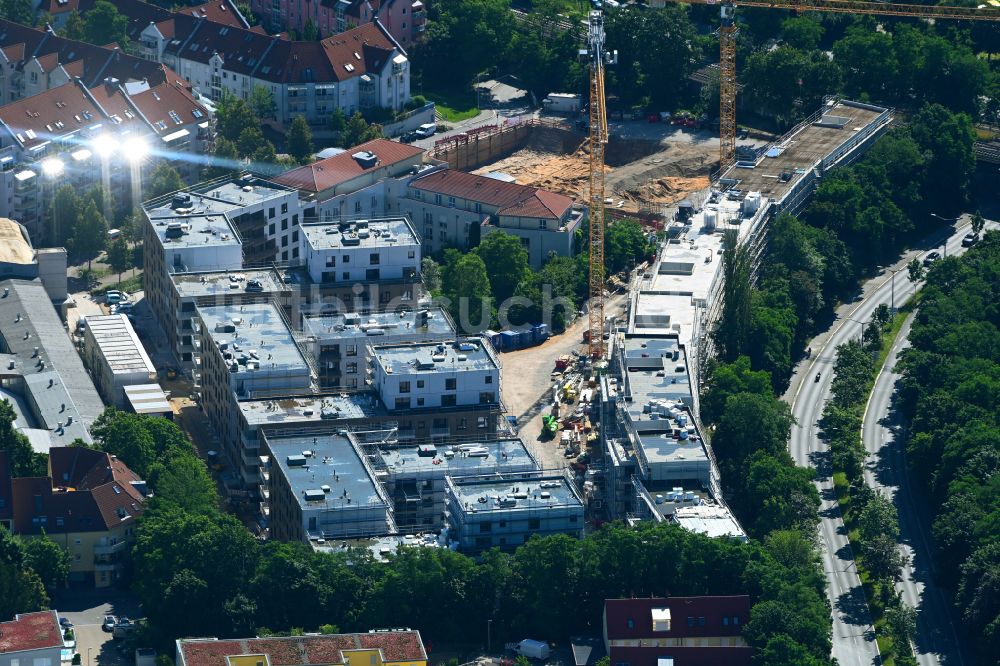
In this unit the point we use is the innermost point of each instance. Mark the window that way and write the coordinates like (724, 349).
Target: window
(331, 262)
(402, 403)
(701, 621)
(374, 258)
(284, 241)
(479, 207)
(411, 254)
(489, 379)
(357, 206)
(284, 255)
(404, 387)
(352, 350)
(481, 423)
(630, 623)
(437, 199)
(284, 208)
(486, 527)
(451, 201)
(352, 367)
(420, 402)
(295, 236)
(270, 229)
(420, 383)
(463, 424)
(487, 398)
(270, 213)
(534, 524)
(295, 219)
(347, 259)
(372, 274)
(690, 621)
(736, 620)
(449, 384)
(725, 620)
(284, 224)
(347, 276)
(447, 401)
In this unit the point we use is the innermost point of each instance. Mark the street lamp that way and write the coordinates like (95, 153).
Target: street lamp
(489, 636)
(863, 324)
(946, 219)
(892, 289)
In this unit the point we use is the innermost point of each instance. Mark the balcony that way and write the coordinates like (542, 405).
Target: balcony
(440, 431)
(103, 550)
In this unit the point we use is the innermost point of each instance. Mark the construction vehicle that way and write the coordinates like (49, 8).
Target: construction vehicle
(550, 426)
(727, 42)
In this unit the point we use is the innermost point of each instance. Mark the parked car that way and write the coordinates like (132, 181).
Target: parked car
(65, 623)
(408, 137)
(969, 240)
(122, 308)
(109, 623)
(113, 297)
(426, 130)
(931, 257)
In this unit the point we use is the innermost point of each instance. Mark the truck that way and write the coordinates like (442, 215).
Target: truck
(562, 103)
(533, 649)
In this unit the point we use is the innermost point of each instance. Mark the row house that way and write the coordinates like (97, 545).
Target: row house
(360, 69)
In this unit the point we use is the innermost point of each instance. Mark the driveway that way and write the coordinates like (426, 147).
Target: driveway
(86, 609)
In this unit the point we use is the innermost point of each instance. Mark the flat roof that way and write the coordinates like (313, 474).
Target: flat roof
(119, 344)
(293, 409)
(373, 325)
(15, 248)
(381, 547)
(240, 191)
(460, 459)
(332, 461)
(651, 373)
(254, 329)
(147, 399)
(663, 448)
(220, 283)
(381, 232)
(213, 230)
(430, 357)
(538, 490)
(804, 149)
(711, 520)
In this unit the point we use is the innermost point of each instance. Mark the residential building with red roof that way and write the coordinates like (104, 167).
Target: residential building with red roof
(375, 648)
(61, 125)
(677, 631)
(358, 69)
(404, 19)
(88, 504)
(454, 208)
(31, 638)
(361, 182)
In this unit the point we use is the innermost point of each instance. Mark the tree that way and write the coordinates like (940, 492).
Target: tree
(90, 235)
(233, 115)
(310, 33)
(357, 131)
(21, 457)
(164, 180)
(978, 223)
(183, 481)
(467, 288)
(733, 330)
(21, 590)
(18, 11)
(262, 102)
(463, 38)
(104, 24)
(625, 244)
(726, 379)
(915, 271)
(506, 263)
(119, 257)
(949, 137)
(430, 270)
(751, 423)
(123, 435)
(337, 121)
(47, 559)
(65, 214)
(902, 621)
(243, 8)
(74, 28)
(300, 144)
(225, 159)
(802, 32)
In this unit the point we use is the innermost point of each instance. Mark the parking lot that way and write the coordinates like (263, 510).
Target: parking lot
(86, 609)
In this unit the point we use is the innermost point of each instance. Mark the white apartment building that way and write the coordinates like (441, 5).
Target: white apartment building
(360, 69)
(373, 251)
(454, 208)
(361, 182)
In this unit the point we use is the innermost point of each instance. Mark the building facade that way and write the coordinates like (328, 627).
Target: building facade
(677, 631)
(116, 357)
(405, 20)
(31, 638)
(495, 511)
(88, 504)
(456, 209)
(375, 648)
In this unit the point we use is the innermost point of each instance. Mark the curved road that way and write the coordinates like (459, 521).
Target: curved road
(884, 439)
(853, 634)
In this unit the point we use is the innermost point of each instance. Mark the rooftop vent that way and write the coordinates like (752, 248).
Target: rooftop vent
(295, 461)
(365, 158)
(314, 495)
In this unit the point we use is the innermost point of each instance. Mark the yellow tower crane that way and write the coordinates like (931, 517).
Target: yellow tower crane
(597, 141)
(727, 42)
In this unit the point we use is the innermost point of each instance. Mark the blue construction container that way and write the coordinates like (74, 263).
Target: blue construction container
(540, 332)
(525, 338)
(509, 340)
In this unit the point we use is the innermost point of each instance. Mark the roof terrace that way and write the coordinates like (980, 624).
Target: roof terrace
(382, 232)
(432, 357)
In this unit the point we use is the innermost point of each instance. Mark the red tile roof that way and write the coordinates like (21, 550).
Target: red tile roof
(365, 48)
(338, 169)
(86, 491)
(304, 650)
(619, 612)
(42, 114)
(220, 11)
(157, 104)
(509, 198)
(56, 7)
(30, 631)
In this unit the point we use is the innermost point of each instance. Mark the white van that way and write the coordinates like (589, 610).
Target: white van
(426, 130)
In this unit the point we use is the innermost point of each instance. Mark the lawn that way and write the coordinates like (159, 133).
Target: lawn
(454, 105)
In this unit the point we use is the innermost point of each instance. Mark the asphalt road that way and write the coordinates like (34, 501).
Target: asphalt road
(886, 471)
(853, 634)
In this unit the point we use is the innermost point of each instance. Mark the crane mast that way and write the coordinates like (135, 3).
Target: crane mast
(598, 140)
(727, 42)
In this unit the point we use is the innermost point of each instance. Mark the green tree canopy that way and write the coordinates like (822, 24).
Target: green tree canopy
(300, 144)
(506, 263)
(164, 179)
(467, 288)
(23, 460)
(90, 235)
(47, 559)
